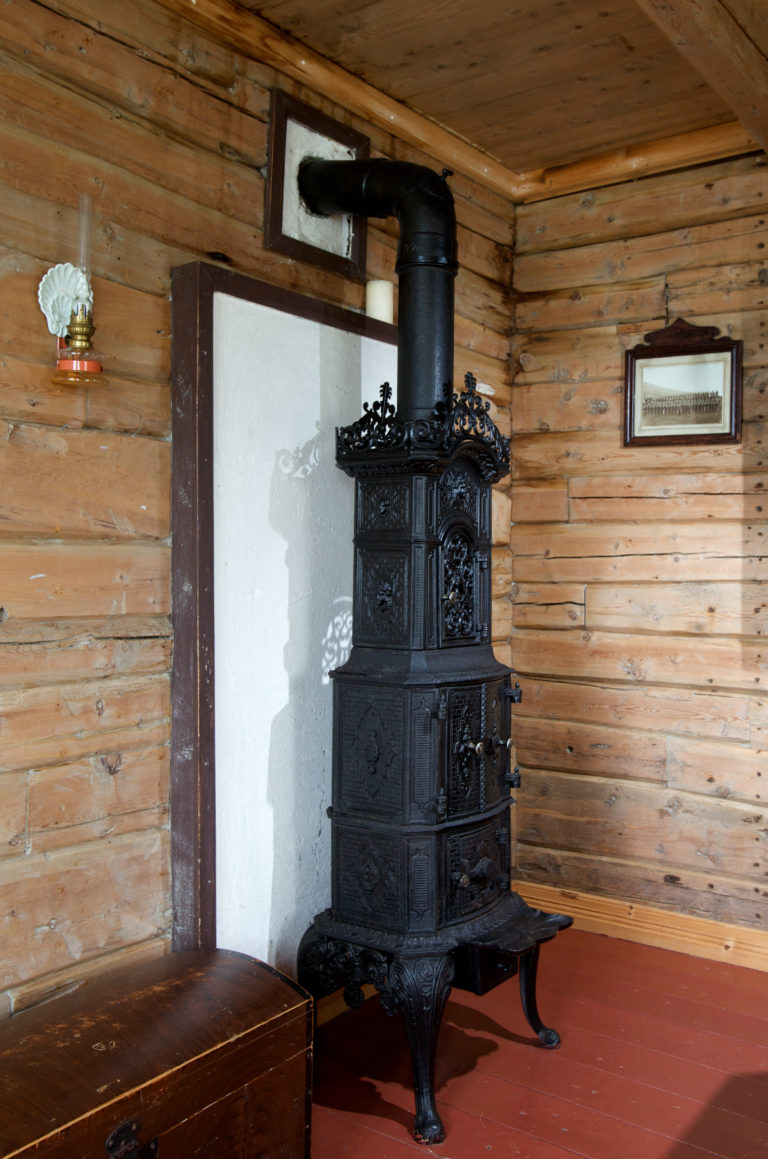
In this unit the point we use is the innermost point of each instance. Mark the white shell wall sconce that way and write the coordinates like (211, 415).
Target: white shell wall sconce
(66, 299)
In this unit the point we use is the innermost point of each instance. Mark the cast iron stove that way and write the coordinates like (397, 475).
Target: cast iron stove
(422, 776)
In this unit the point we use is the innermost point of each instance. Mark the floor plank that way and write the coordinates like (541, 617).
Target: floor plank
(663, 1057)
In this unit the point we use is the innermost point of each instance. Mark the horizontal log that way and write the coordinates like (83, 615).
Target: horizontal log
(568, 356)
(42, 581)
(116, 403)
(720, 662)
(541, 502)
(567, 406)
(598, 353)
(32, 223)
(669, 485)
(718, 769)
(480, 338)
(711, 768)
(61, 908)
(488, 372)
(111, 487)
(591, 306)
(149, 67)
(480, 210)
(677, 200)
(88, 800)
(483, 301)
(99, 627)
(630, 259)
(736, 287)
(225, 178)
(552, 606)
(668, 710)
(567, 454)
(634, 820)
(696, 919)
(556, 616)
(68, 722)
(80, 658)
(29, 394)
(702, 506)
(636, 551)
(589, 749)
(482, 255)
(735, 609)
(138, 408)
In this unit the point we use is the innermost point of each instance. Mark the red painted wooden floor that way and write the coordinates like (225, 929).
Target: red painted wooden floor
(663, 1056)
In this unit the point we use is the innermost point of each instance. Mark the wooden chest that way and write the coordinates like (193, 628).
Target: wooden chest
(201, 1053)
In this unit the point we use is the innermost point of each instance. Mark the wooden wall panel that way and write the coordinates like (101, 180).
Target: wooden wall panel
(639, 598)
(167, 128)
(80, 902)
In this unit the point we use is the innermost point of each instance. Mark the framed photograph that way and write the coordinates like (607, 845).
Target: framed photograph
(298, 131)
(683, 385)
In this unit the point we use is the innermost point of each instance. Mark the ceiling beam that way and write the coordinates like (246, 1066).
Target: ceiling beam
(633, 161)
(256, 39)
(711, 39)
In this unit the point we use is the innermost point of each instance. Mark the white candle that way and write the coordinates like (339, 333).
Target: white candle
(379, 300)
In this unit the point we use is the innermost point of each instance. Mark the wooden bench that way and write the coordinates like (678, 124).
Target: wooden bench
(200, 1053)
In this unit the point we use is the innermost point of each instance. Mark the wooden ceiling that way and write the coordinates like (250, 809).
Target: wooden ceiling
(534, 86)
(534, 83)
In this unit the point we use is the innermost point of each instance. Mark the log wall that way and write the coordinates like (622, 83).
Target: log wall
(167, 129)
(631, 601)
(639, 581)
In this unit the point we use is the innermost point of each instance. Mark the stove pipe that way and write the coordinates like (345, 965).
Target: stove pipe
(426, 262)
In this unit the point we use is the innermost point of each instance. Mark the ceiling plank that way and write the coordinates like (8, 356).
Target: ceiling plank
(720, 48)
(258, 40)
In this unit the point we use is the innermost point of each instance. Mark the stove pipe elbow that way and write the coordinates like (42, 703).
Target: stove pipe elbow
(426, 261)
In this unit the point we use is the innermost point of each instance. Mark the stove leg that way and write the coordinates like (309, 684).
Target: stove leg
(418, 989)
(529, 965)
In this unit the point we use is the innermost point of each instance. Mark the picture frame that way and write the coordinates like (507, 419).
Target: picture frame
(297, 130)
(683, 386)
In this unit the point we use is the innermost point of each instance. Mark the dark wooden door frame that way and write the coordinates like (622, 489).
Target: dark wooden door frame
(193, 771)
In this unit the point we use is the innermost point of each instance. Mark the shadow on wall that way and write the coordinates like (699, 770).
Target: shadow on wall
(312, 508)
(306, 509)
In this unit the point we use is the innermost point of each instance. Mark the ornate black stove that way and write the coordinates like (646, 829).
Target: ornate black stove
(421, 767)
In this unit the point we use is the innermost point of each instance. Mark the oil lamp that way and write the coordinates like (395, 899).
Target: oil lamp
(66, 298)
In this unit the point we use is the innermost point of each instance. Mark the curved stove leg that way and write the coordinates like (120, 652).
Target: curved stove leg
(418, 988)
(529, 965)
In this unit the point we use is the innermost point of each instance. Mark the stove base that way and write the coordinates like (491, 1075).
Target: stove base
(414, 974)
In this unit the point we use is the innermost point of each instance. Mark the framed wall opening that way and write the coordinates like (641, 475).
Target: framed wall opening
(262, 577)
